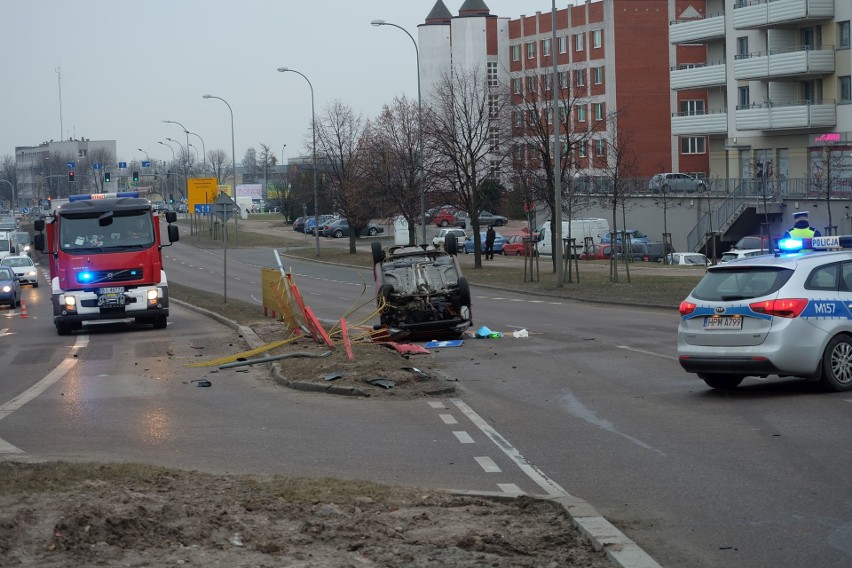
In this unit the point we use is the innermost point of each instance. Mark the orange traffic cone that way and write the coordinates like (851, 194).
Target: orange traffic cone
(24, 309)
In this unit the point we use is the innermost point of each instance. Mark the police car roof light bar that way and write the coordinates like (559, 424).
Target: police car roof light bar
(84, 197)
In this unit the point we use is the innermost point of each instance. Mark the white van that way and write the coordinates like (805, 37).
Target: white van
(580, 229)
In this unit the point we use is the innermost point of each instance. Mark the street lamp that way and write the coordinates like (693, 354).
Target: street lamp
(377, 24)
(173, 159)
(234, 190)
(147, 157)
(196, 150)
(314, 151)
(203, 150)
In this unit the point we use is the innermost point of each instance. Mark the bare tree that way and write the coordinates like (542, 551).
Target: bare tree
(220, 162)
(391, 159)
(265, 161)
(250, 166)
(827, 169)
(8, 172)
(617, 160)
(106, 161)
(467, 131)
(534, 119)
(339, 137)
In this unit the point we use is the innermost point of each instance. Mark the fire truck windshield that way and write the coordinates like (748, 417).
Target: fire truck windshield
(126, 230)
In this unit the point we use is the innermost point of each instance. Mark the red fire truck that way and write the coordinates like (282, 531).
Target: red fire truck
(105, 260)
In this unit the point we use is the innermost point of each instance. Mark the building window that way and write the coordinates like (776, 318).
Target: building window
(545, 47)
(518, 152)
(845, 82)
(82, 153)
(843, 39)
(516, 85)
(742, 47)
(494, 138)
(531, 50)
(531, 87)
(693, 145)
(581, 148)
(493, 106)
(516, 52)
(578, 42)
(580, 112)
(492, 73)
(519, 119)
(744, 97)
(598, 110)
(692, 107)
(596, 38)
(548, 82)
(563, 43)
(549, 115)
(600, 147)
(597, 75)
(580, 77)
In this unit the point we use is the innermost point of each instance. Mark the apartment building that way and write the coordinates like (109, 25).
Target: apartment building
(766, 87)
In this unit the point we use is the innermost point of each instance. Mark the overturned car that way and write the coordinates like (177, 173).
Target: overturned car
(420, 290)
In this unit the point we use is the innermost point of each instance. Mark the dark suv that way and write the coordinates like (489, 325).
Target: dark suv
(420, 290)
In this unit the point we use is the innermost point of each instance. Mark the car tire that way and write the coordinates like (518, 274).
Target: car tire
(63, 329)
(464, 292)
(451, 244)
(383, 297)
(378, 252)
(721, 381)
(499, 223)
(160, 322)
(837, 364)
(372, 231)
(35, 284)
(338, 233)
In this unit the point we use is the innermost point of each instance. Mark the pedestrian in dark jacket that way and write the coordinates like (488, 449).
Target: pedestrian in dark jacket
(490, 235)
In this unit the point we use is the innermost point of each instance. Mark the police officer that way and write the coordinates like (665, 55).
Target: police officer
(801, 228)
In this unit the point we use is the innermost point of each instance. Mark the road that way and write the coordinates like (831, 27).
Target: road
(593, 402)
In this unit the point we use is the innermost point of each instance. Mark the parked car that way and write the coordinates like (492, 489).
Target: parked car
(340, 228)
(421, 291)
(10, 287)
(442, 216)
(299, 224)
(635, 237)
(645, 252)
(499, 241)
(439, 239)
(462, 219)
(598, 252)
(745, 253)
(514, 246)
(757, 242)
(687, 259)
(674, 182)
(323, 219)
(23, 267)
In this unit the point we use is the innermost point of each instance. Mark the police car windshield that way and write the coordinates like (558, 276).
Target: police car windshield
(741, 283)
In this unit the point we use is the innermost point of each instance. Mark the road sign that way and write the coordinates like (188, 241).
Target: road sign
(122, 165)
(25, 210)
(96, 166)
(146, 164)
(200, 191)
(71, 165)
(202, 208)
(224, 207)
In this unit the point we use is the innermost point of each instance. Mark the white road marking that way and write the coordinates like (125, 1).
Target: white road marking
(628, 348)
(7, 448)
(437, 405)
(550, 487)
(463, 437)
(487, 464)
(448, 419)
(510, 488)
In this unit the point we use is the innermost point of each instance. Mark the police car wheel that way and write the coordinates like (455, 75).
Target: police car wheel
(837, 364)
(720, 381)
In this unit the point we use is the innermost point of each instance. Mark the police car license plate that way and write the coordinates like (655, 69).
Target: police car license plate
(723, 322)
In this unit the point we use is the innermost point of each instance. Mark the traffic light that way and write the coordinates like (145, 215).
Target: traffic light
(171, 198)
(135, 176)
(106, 177)
(71, 175)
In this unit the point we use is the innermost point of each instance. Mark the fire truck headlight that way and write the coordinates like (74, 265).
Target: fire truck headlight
(70, 302)
(153, 294)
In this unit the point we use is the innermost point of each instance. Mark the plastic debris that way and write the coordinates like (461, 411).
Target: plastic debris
(483, 332)
(417, 372)
(202, 382)
(332, 376)
(406, 348)
(447, 343)
(521, 333)
(380, 382)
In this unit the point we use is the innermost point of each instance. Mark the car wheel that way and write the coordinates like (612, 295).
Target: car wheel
(499, 223)
(160, 322)
(464, 292)
(451, 244)
(444, 222)
(383, 297)
(63, 329)
(372, 231)
(35, 284)
(721, 381)
(378, 252)
(837, 364)
(338, 233)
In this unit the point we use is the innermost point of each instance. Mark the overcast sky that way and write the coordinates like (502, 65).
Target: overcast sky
(127, 66)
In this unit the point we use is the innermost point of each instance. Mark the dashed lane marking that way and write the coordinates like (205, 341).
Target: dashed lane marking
(463, 437)
(510, 489)
(487, 464)
(448, 418)
(634, 349)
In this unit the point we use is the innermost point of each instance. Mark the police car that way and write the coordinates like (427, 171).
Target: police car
(788, 314)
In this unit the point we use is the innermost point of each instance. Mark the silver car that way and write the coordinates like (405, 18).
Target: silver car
(675, 183)
(784, 315)
(23, 267)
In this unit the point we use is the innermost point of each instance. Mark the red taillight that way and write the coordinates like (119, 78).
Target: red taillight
(786, 308)
(686, 308)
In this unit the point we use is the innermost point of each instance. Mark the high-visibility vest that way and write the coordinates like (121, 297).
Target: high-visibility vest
(804, 233)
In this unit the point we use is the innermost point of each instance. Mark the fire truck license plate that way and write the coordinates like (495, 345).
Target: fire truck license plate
(111, 297)
(113, 290)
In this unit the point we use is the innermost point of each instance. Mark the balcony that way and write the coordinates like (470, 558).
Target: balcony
(787, 115)
(697, 31)
(697, 77)
(793, 63)
(756, 14)
(692, 124)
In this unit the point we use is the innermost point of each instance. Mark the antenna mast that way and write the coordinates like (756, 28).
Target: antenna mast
(59, 78)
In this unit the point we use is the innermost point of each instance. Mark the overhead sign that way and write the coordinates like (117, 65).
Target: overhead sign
(201, 191)
(146, 164)
(71, 165)
(96, 166)
(122, 165)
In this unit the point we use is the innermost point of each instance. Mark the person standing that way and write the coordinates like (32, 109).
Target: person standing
(801, 228)
(490, 235)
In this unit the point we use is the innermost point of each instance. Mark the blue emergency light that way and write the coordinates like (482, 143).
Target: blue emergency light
(87, 196)
(85, 277)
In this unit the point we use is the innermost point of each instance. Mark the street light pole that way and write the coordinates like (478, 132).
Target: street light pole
(233, 189)
(314, 151)
(379, 23)
(186, 164)
(173, 159)
(203, 150)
